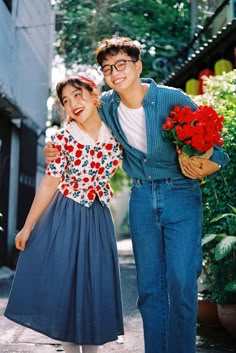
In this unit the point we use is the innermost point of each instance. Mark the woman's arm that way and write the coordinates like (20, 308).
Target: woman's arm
(43, 197)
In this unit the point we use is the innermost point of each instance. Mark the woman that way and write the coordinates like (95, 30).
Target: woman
(67, 283)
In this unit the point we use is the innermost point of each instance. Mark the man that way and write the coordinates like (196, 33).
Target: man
(165, 211)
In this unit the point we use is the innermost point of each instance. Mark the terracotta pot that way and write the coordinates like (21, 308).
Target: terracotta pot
(227, 317)
(207, 313)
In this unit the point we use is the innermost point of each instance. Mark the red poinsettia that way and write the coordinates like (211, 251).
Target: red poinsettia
(194, 132)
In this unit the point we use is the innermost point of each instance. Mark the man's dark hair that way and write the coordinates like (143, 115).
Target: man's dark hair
(115, 45)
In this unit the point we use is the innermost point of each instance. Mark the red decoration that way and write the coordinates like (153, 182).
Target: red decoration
(205, 72)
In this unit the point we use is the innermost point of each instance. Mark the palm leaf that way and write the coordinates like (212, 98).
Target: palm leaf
(224, 247)
(209, 237)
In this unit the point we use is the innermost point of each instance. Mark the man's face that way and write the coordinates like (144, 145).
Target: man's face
(124, 75)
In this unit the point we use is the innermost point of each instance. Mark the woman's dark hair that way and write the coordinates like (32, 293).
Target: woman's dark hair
(115, 45)
(76, 81)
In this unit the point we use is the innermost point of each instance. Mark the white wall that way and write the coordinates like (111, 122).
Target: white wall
(25, 60)
(26, 46)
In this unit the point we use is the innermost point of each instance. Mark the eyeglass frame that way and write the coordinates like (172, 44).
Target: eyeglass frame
(114, 65)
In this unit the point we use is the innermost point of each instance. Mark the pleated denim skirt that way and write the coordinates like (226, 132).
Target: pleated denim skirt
(67, 281)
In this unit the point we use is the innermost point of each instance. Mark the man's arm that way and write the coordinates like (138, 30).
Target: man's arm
(50, 153)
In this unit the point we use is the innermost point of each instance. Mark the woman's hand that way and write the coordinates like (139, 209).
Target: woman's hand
(197, 167)
(50, 153)
(22, 238)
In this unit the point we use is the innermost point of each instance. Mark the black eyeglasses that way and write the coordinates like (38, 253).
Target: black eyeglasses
(120, 65)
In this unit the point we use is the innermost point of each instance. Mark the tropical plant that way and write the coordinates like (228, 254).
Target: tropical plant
(161, 27)
(220, 261)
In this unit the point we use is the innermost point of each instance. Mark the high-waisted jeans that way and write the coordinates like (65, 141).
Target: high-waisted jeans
(166, 224)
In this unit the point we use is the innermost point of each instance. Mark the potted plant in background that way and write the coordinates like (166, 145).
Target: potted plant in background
(219, 251)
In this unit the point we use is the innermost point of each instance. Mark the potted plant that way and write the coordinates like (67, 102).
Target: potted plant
(219, 251)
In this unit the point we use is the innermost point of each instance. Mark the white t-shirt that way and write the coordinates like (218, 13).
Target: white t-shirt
(133, 124)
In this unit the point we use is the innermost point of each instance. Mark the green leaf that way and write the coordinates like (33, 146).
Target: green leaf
(222, 216)
(231, 287)
(224, 247)
(207, 238)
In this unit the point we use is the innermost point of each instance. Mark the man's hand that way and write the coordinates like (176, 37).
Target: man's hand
(197, 167)
(50, 153)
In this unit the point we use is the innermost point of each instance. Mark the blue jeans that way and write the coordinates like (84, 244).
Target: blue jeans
(166, 224)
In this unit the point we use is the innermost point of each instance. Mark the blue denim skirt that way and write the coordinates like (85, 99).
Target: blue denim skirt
(67, 281)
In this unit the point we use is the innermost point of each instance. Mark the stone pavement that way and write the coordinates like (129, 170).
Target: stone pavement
(17, 339)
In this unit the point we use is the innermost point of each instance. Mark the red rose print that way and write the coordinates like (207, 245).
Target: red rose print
(76, 186)
(91, 195)
(101, 170)
(66, 192)
(97, 165)
(79, 145)
(58, 160)
(100, 193)
(109, 146)
(92, 152)
(92, 164)
(77, 162)
(86, 180)
(69, 148)
(78, 153)
(59, 137)
(115, 162)
(99, 154)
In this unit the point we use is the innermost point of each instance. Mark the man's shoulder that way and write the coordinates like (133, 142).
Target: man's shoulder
(166, 89)
(107, 96)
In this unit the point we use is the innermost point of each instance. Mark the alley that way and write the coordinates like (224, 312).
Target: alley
(17, 339)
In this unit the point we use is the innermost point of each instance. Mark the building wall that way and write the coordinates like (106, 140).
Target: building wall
(25, 79)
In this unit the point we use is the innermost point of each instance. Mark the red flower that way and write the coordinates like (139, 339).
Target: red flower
(80, 146)
(77, 162)
(78, 153)
(66, 192)
(91, 194)
(108, 146)
(115, 162)
(193, 132)
(101, 170)
(69, 148)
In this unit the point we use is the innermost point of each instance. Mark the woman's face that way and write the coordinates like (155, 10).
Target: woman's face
(78, 103)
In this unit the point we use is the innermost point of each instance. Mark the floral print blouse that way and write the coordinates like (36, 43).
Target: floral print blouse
(85, 166)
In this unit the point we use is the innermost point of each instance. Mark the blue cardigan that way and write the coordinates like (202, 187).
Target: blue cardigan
(160, 161)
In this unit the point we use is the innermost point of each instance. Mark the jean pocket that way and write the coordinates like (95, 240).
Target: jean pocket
(136, 184)
(181, 184)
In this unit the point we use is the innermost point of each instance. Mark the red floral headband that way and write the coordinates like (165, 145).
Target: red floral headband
(87, 80)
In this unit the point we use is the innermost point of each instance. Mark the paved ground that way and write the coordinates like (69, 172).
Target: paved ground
(17, 339)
